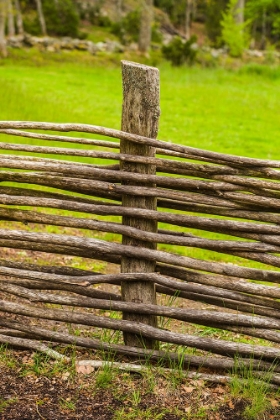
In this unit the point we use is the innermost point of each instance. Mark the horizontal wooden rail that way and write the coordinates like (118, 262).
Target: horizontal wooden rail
(222, 204)
(187, 151)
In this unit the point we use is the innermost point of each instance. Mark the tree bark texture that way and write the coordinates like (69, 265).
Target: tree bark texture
(19, 20)
(145, 35)
(3, 16)
(210, 344)
(140, 116)
(11, 20)
(239, 12)
(236, 198)
(188, 19)
(41, 17)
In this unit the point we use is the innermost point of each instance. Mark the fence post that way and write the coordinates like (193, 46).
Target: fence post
(140, 115)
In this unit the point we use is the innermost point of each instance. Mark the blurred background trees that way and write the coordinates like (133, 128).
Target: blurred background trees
(234, 24)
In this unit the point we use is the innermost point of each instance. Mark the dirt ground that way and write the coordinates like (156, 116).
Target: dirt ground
(27, 395)
(34, 388)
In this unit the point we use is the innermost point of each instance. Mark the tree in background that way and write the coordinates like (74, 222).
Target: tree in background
(3, 14)
(119, 8)
(213, 18)
(145, 34)
(233, 28)
(239, 12)
(62, 17)
(265, 18)
(189, 4)
(11, 20)
(176, 10)
(41, 17)
(19, 20)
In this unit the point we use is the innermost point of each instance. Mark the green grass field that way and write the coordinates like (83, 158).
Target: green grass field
(228, 111)
(216, 109)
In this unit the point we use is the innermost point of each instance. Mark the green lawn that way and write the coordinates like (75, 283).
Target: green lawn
(233, 112)
(228, 111)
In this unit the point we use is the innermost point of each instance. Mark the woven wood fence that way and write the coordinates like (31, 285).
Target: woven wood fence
(153, 196)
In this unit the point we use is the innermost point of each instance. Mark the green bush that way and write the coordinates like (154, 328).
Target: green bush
(213, 18)
(61, 17)
(156, 34)
(31, 23)
(176, 10)
(92, 13)
(233, 35)
(128, 28)
(180, 52)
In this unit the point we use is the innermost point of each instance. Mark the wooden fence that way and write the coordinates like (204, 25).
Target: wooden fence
(204, 203)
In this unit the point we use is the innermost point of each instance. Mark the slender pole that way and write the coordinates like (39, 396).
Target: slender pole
(145, 34)
(140, 116)
(19, 21)
(11, 21)
(3, 16)
(41, 17)
(188, 19)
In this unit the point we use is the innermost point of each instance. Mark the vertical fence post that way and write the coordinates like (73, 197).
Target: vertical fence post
(140, 116)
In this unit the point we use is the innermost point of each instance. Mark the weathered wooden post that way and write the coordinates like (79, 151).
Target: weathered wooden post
(140, 116)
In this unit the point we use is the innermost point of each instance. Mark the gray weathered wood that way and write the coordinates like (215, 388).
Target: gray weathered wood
(143, 330)
(102, 249)
(203, 317)
(212, 362)
(209, 183)
(186, 151)
(3, 16)
(140, 116)
(166, 237)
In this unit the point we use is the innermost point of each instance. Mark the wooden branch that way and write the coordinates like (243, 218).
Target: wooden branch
(24, 193)
(230, 282)
(220, 363)
(86, 186)
(112, 175)
(223, 282)
(272, 336)
(32, 345)
(213, 378)
(15, 333)
(190, 168)
(228, 247)
(188, 151)
(214, 345)
(103, 248)
(244, 213)
(102, 173)
(209, 224)
(62, 270)
(95, 278)
(194, 291)
(78, 290)
(28, 161)
(79, 140)
(59, 151)
(59, 249)
(199, 317)
(271, 203)
(215, 295)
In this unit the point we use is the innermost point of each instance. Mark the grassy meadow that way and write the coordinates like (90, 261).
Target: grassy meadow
(216, 109)
(230, 111)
